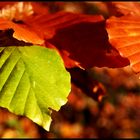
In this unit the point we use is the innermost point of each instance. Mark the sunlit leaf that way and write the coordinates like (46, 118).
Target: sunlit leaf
(48, 24)
(124, 35)
(81, 39)
(33, 81)
(125, 8)
(21, 32)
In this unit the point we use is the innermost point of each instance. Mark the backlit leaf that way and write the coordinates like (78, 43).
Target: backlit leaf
(125, 8)
(21, 32)
(81, 39)
(33, 81)
(48, 24)
(124, 35)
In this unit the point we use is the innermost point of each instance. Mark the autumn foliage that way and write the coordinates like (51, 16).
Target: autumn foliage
(76, 48)
(106, 38)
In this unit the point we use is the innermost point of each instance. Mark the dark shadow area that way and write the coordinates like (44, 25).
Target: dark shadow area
(6, 39)
(88, 44)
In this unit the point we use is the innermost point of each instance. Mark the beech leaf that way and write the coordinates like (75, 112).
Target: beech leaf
(33, 81)
(81, 39)
(124, 35)
(125, 8)
(21, 32)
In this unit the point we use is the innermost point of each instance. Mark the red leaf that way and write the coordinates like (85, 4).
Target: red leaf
(40, 7)
(48, 24)
(117, 8)
(21, 32)
(125, 8)
(124, 35)
(81, 39)
(3, 4)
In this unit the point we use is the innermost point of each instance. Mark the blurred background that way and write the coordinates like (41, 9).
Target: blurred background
(115, 116)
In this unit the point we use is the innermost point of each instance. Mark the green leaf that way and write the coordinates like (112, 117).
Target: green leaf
(33, 80)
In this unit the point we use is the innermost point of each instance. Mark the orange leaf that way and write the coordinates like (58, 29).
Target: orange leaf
(48, 24)
(3, 4)
(125, 8)
(81, 39)
(124, 35)
(21, 32)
